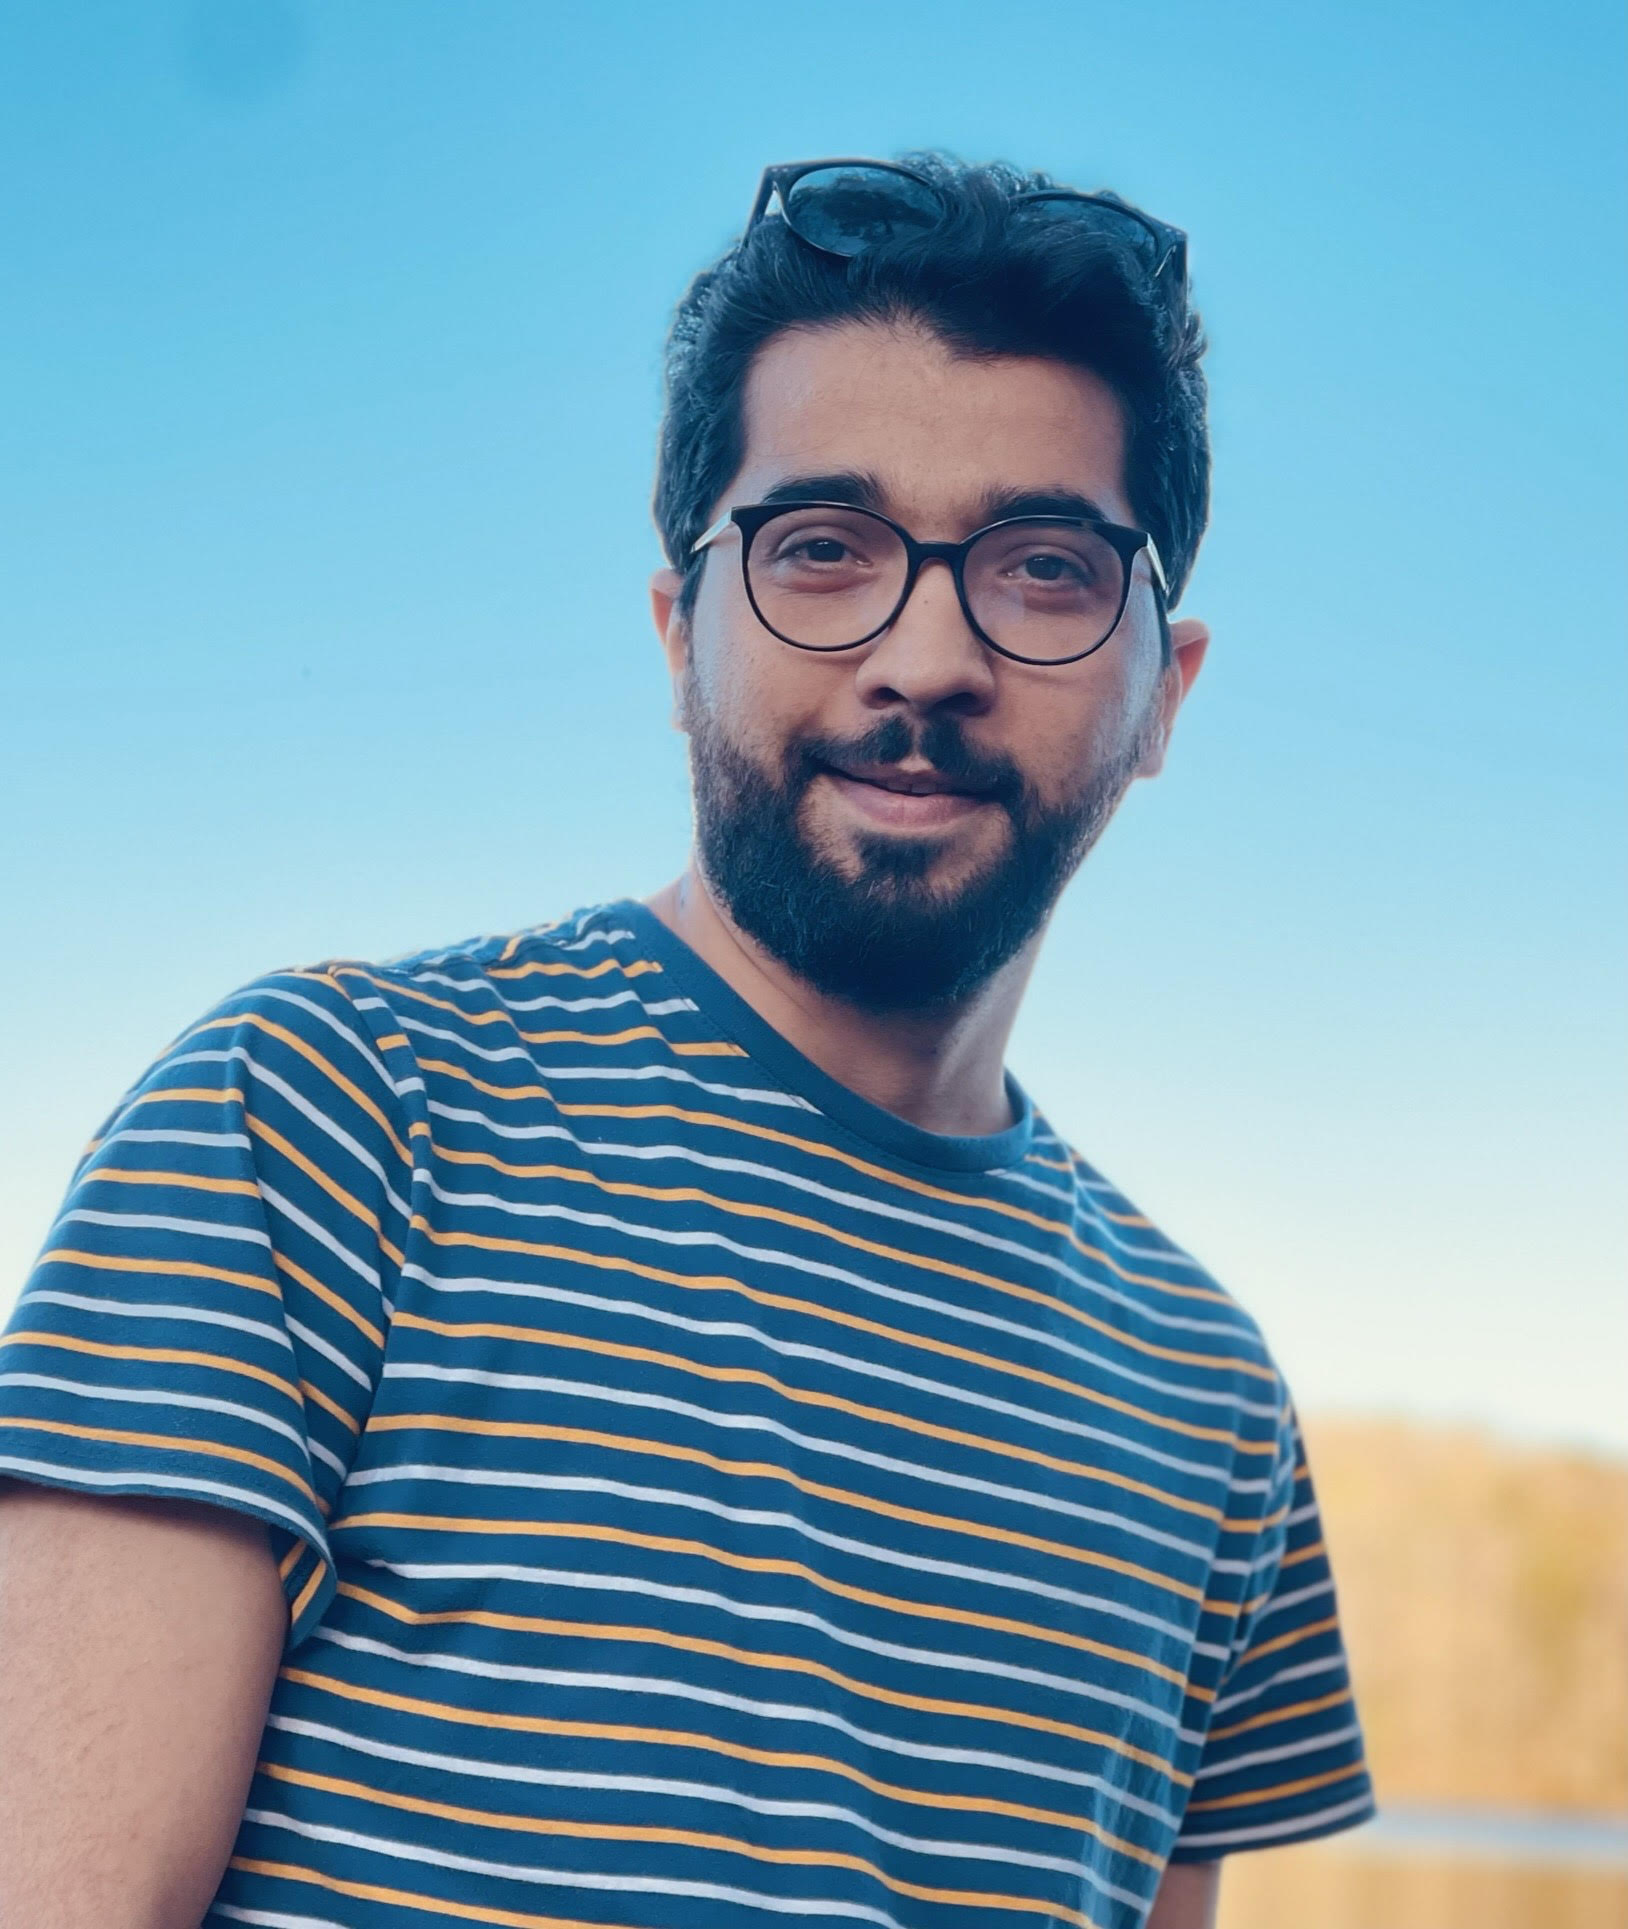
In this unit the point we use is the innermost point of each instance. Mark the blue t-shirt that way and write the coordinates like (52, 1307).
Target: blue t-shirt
(703, 1498)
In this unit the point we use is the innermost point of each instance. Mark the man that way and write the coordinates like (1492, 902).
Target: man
(639, 1422)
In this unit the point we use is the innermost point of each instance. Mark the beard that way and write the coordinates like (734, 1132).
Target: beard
(885, 939)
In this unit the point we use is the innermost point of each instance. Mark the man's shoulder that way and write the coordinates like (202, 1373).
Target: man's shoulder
(1154, 1273)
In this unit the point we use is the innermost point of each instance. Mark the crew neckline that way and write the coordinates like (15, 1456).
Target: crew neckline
(882, 1130)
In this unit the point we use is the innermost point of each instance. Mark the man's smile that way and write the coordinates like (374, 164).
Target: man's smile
(906, 798)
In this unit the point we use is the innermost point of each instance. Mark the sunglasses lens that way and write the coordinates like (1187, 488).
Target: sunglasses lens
(847, 210)
(1152, 249)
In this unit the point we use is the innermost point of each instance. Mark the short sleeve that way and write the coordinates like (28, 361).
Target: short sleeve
(1283, 1756)
(207, 1320)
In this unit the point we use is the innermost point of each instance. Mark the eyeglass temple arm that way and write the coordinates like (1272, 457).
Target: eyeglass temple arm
(1155, 563)
(717, 529)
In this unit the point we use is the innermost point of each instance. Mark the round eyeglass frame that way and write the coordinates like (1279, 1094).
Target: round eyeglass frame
(1128, 543)
(1169, 263)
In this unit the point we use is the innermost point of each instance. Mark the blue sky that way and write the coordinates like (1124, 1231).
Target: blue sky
(329, 378)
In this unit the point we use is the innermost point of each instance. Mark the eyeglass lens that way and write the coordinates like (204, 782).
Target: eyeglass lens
(846, 210)
(826, 579)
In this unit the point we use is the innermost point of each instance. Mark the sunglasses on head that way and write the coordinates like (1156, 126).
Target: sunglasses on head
(845, 207)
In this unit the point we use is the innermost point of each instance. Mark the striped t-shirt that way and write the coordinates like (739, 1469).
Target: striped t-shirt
(703, 1498)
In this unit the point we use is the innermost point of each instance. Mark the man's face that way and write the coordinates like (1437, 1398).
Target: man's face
(895, 821)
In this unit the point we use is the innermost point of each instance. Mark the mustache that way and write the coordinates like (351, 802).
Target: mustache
(941, 742)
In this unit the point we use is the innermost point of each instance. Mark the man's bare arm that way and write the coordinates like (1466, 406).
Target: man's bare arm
(1187, 1896)
(139, 1641)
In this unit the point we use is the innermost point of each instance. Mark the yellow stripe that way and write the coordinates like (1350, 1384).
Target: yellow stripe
(190, 1094)
(334, 1190)
(606, 1262)
(1275, 1715)
(1292, 1639)
(405, 1899)
(290, 1560)
(1274, 1794)
(665, 1450)
(119, 1437)
(321, 1399)
(161, 1355)
(163, 1269)
(715, 1745)
(580, 1831)
(778, 1664)
(303, 1599)
(539, 968)
(192, 1181)
(751, 1376)
(312, 1057)
(326, 1294)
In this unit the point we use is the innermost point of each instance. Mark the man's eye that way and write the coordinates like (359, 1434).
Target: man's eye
(1046, 568)
(819, 549)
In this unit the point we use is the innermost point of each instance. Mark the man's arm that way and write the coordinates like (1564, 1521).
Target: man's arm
(1187, 1896)
(139, 1641)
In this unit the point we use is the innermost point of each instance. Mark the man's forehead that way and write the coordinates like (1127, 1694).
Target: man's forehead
(929, 431)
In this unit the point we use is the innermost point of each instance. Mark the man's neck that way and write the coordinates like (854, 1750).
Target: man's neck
(941, 1069)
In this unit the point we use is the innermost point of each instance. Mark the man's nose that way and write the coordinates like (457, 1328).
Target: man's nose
(929, 658)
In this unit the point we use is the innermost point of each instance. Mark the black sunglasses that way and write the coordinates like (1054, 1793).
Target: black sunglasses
(845, 207)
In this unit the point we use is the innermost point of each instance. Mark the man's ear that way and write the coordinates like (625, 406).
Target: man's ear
(1189, 640)
(665, 588)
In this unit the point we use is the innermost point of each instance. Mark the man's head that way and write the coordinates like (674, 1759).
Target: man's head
(894, 821)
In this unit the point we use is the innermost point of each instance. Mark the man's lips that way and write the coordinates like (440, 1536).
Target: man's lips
(907, 783)
(919, 800)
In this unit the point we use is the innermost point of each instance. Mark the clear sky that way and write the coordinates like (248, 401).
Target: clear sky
(329, 356)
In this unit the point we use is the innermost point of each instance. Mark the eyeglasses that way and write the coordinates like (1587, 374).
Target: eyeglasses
(846, 207)
(1038, 589)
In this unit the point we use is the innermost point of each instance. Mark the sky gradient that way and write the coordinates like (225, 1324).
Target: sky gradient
(329, 377)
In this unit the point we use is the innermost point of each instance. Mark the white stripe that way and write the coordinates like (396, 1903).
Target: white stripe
(405, 1851)
(270, 1918)
(145, 1309)
(861, 1368)
(789, 1617)
(160, 1397)
(700, 1792)
(1312, 1746)
(165, 1135)
(320, 1234)
(751, 1093)
(329, 1352)
(163, 1222)
(910, 1750)
(916, 1563)
(1302, 1671)
(130, 1479)
(1281, 1604)
(1276, 1831)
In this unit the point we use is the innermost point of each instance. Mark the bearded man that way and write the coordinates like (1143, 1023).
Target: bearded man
(640, 1422)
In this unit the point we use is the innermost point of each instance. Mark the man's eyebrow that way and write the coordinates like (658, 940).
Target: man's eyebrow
(852, 486)
(997, 504)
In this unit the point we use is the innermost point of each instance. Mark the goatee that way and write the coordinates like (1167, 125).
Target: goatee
(885, 939)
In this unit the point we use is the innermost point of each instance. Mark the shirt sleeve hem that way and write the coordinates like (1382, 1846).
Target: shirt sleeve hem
(1291, 1829)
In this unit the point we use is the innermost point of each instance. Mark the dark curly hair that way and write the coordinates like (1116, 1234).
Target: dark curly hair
(986, 285)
